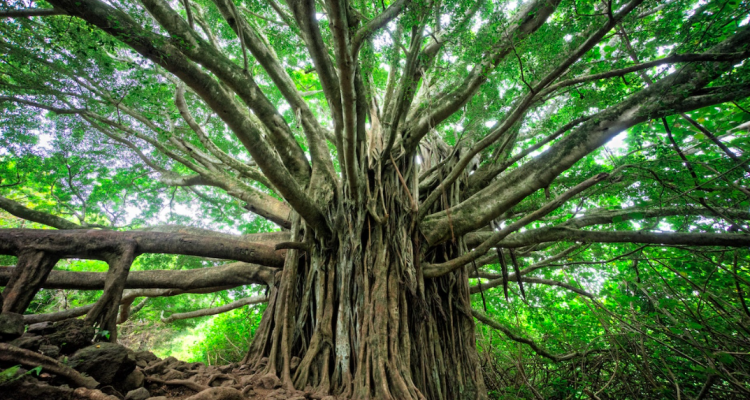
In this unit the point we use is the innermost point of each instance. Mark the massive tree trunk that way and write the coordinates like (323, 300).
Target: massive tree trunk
(354, 316)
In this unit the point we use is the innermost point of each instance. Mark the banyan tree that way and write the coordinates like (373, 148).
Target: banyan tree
(395, 148)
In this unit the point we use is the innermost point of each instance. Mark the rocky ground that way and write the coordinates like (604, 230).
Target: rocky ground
(75, 367)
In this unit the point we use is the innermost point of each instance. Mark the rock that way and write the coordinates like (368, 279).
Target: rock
(157, 398)
(28, 342)
(133, 381)
(11, 326)
(138, 394)
(70, 335)
(270, 381)
(222, 393)
(142, 358)
(49, 350)
(106, 362)
(328, 398)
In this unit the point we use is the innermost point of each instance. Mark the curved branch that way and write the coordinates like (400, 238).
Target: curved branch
(534, 346)
(378, 22)
(40, 217)
(215, 310)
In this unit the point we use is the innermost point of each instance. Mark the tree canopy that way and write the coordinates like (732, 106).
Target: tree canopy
(570, 174)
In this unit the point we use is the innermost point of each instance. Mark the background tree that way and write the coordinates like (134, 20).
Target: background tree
(397, 148)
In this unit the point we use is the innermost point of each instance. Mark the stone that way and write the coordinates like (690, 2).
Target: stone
(138, 394)
(28, 342)
(270, 381)
(134, 380)
(70, 335)
(49, 350)
(106, 362)
(157, 398)
(11, 326)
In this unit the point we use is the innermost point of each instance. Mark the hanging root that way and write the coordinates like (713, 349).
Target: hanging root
(31, 359)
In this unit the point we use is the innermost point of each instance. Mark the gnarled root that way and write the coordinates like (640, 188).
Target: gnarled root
(192, 385)
(13, 354)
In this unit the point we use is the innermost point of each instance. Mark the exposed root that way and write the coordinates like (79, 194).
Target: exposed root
(31, 359)
(220, 376)
(89, 394)
(192, 385)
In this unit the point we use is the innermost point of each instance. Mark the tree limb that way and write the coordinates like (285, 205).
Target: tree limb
(96, 244)
(215, 310)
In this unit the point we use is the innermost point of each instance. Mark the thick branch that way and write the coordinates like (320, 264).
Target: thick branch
(98, 244)
(160, 50)
(233, 274)
(31, 12)
(561, 234)
(434, 270)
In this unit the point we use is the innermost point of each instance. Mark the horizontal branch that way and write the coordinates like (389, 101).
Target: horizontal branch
(233, 274)
(128, 297)
(96, 244)
(215, 310)
(31, 12)
(555, 234)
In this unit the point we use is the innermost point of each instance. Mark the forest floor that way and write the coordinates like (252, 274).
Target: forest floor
(75, 367)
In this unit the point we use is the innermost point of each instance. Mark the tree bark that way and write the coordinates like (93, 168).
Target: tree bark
(27, 278)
